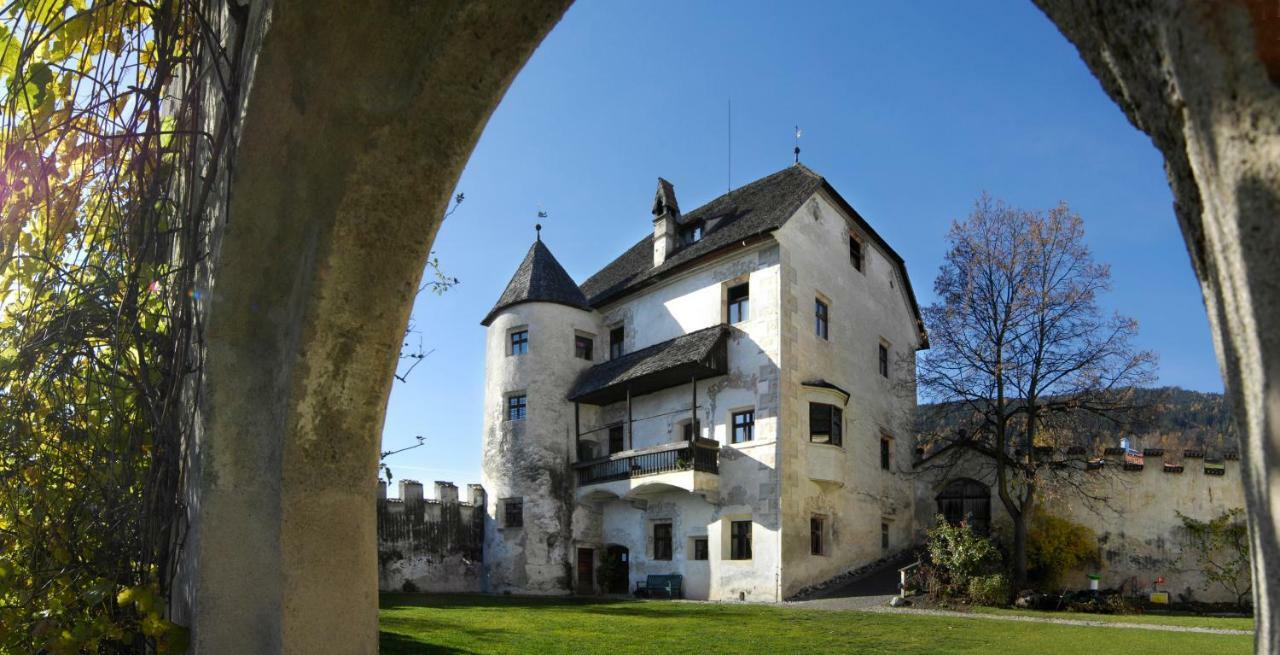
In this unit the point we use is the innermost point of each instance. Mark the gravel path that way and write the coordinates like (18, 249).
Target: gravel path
(1038, 619)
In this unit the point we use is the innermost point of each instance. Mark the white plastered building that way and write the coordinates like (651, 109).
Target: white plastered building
(720, 402)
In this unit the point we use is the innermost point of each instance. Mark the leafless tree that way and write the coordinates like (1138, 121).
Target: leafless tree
(1020, 351)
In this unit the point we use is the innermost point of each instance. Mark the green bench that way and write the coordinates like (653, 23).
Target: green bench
(660, 586)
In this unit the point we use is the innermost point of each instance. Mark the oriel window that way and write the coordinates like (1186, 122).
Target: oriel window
(826, 424)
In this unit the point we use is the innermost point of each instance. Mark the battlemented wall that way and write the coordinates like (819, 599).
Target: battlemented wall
(430, 544)
(1140, 535)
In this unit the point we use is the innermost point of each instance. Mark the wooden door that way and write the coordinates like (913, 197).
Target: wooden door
(586, 570)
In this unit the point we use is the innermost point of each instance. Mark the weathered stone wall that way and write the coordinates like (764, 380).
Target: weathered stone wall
(845, 485)
(1140, 536)
(436, 544)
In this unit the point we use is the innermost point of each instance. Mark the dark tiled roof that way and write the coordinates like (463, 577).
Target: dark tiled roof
(540, 278)
(689, 349)
(759, 207)
(745, 213)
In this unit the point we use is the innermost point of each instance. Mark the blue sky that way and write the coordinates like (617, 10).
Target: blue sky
(910, 109)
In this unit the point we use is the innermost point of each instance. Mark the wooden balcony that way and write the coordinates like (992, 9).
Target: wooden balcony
(692, 466)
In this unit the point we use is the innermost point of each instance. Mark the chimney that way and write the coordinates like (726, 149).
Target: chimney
(446, 492)
(382, 489)
(666, 219)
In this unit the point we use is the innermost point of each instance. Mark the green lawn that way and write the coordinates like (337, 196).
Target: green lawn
(1188, 620)
(461, 624)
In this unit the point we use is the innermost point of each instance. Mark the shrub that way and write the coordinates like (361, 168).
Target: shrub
(1056, 545)
(409, 587)
(959, 554)
(1221, 550)
(991, 589)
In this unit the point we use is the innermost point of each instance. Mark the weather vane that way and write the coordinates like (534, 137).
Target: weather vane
(797, 144)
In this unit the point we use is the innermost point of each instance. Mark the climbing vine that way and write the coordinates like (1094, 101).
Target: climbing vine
(112, 136)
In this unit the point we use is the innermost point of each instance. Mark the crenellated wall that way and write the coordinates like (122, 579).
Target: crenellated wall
(434, 543)
(1135, 514)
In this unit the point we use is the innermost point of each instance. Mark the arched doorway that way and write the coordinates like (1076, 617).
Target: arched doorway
(966, 500)
(615, 570)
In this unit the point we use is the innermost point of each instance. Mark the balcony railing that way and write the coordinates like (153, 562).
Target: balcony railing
(699, 455)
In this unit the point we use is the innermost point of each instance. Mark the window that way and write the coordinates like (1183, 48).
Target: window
(615, 439)
(886, 449)
(662, 541)
(817, 528)
(744, 426)
(583, 347)
(516, 407)
(967, 501)
(855, 252)
(691, 234)
(739, 303)
(616, 336)
(519, 342)
(740, 540)
(820, 317)
(700, 548)
(513, 513)
(884, 536)
(690, 429)
(884, 360)
(826, 424)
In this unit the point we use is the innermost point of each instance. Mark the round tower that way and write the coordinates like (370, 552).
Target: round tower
(537, 333)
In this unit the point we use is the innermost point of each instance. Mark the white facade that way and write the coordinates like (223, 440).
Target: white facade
(580, 520)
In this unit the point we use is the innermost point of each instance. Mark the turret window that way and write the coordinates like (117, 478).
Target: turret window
(516, 407)
(583, 347)
(519, 342)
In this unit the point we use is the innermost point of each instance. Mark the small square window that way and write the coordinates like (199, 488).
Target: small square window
(817, 533)
(516, 407)
(744, 426)
(740, 540)
(884, 360)
(690, 429)
(821, 315)
(700, 551)
(616, 337)
(583, 347)
(513, 513)
(826, 424)
(856, 255)
(662, 541)
(884, 536)
(519, 342)
(739, 302)
(886, 451)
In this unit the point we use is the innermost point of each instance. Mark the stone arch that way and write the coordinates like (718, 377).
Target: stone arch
(967, 500)
(358, 120)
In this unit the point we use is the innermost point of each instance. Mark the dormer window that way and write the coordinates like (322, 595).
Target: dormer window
(691, 234)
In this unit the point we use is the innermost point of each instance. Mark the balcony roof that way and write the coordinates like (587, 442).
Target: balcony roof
(694, 356)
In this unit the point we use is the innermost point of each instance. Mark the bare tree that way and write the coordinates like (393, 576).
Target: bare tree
(1020, 351)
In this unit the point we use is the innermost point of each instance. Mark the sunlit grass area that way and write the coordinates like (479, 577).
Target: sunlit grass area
(463, 624)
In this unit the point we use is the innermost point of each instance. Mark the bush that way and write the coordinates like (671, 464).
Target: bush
(409, 587)
(991, 589)
(1056, 546)
(959, 555)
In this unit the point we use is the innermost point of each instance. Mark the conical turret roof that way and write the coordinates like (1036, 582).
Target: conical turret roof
(540, 278)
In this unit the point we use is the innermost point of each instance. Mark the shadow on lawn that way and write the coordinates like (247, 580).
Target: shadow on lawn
(391, 643)
(475, 601)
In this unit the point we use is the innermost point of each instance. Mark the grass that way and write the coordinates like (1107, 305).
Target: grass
(1184, 620)
(464, 624)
